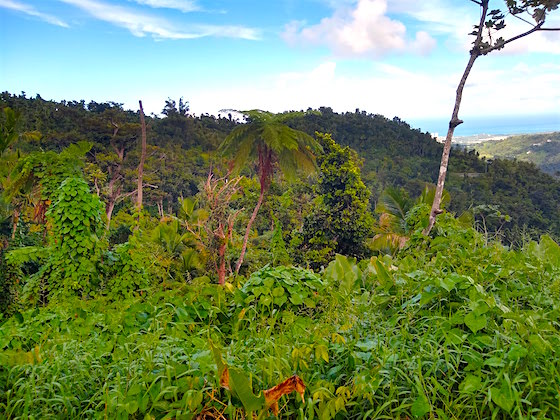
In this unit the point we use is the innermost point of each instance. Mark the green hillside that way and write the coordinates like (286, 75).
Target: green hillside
(182, 149)
(541, 149)
(341, 306)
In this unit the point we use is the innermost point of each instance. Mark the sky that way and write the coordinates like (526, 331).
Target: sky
(391, 57)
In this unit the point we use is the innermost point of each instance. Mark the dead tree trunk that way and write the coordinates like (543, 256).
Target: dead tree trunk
(453, 123)
(142, 159)
(480, 47)
(248, 231)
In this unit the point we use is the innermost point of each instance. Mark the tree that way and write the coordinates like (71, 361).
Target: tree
(118, 136)
(142, 159)
(396, 223)
(485, 42)
(340, 222)
(268, 142)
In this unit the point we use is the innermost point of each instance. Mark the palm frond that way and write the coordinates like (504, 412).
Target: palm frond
(429, 193)
(395, 202)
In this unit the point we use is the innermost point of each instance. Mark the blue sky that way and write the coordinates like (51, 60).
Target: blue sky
(391, 57)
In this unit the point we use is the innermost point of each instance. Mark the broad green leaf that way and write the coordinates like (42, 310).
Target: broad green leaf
(343, 272)
(503, 397)
(296, 299)
(494, 362)
(474, 322)
(538, 343)
(322, 352)
(447, 283)
(454, 336)
(470, 384)
(385, 279)
(421, 406)
(517, 352)
(241, 385)
(479, 307)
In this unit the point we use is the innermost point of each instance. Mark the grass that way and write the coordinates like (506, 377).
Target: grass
(456, 333)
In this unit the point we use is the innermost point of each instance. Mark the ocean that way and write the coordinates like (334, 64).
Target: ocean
(504, 125)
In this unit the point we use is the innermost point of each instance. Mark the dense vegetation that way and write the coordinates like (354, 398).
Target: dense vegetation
(541, 149)
(450, 328)
(182, 149)
(111, 312)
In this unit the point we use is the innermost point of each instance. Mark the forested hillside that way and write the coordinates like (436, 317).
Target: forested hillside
(182, 148)
(279, 258)
(541, 149)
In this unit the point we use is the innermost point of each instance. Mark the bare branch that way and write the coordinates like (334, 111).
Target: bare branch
(487, 50)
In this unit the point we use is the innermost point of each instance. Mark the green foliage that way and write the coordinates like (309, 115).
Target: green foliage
(394, 155)
(48, 170)
(266, 140)
(401, 217)
(10, 123)
(126, 272)
(342, 273)
(450, 328)
(340, 222)
(76, 249)
(278, 246)
(273, 288)
(541, 149)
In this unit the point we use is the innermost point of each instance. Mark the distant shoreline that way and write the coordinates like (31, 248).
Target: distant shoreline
(491, 127)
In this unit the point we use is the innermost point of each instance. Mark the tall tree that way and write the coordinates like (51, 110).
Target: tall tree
(142, 159)
(268, 142)
(486, 41)
(340, 221)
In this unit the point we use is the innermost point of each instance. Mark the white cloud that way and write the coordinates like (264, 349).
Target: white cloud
(184, 6)
(361, 29)
(391, 91)
(457, 21)
(142, 24)
(31, 11)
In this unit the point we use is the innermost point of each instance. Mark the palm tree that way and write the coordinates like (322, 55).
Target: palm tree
(393, 206)
(392, 232)
(10, 130)
(267, 141)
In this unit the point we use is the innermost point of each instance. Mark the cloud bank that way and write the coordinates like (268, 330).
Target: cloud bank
(363, 29)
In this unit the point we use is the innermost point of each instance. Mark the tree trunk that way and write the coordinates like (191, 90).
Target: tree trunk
(453, 123)
(15, 220)
(222, 263)
(109, 211)
(248, 231)
(142, 159)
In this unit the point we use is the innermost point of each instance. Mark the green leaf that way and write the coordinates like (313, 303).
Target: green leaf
(241, 385)
(421, 406)
(296, 299)
(503, 397)
(517, 352)
(265, 300)
(479, 307)
(385, 279)
(132, 407)
(448, 283)
(470, 384)
(454, 336)
(494, 362)
(474, 322)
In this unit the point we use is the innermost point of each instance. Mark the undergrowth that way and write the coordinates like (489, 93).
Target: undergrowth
(449, 328)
